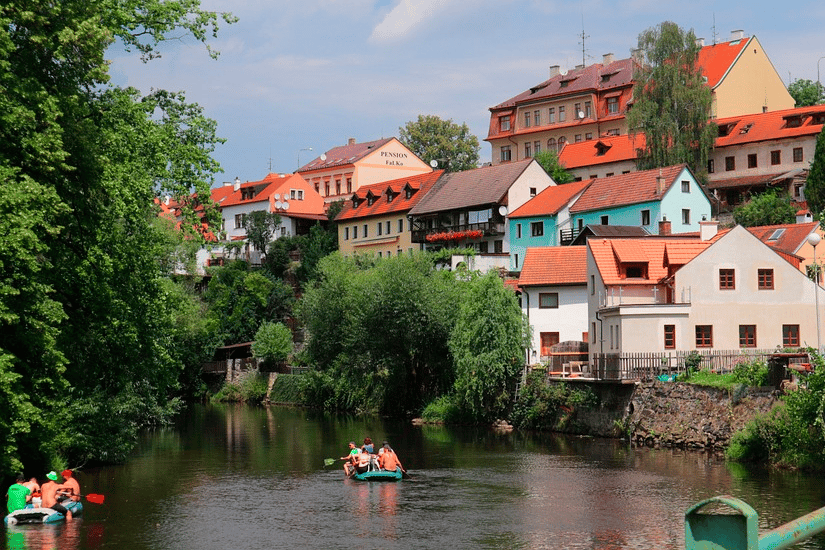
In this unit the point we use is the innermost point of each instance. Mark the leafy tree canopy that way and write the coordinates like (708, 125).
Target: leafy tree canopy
(768, 208)
(549, 160)
(672, 102)
(450, 144)
(806, 92)
(815, 184)
(260, 227)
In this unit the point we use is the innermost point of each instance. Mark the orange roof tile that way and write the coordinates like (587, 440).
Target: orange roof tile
(786, 237)
(344, 154)
(604, 150)
(553, 266)
(652, 251)
(624, 189)
(421, 183)
(772, 125)
(551, 200)
(716, 60)
(267, 188)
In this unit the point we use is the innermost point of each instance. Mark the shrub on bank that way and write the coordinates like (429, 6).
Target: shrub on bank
(543, 406)
(251, 389)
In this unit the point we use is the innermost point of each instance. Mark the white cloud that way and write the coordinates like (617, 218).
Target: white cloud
(406, 17)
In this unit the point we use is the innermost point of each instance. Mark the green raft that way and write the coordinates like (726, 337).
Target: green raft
(379, 475)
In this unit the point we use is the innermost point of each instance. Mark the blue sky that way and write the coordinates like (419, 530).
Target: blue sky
(294, 75)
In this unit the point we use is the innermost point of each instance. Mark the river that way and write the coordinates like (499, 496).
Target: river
(238, 477)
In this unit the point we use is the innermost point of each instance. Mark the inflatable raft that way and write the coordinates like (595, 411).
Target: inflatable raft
(30, 514)
(379, 475)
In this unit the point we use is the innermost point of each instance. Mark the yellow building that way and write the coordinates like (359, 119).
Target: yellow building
(342, 170)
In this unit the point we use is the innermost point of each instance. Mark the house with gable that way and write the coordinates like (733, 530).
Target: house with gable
(470, 208)
(791, 241)
(725, 291)
(538, 222)
(643, 199)
(374, 219)
(553, 283)
(603, 157)
(338, 173)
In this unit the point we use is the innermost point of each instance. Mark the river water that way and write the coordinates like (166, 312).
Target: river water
(237, 477)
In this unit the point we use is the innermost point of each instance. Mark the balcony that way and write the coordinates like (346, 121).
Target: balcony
(567, 236)
(487, 229)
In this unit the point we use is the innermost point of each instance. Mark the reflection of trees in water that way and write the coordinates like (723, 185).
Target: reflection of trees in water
(65, 536)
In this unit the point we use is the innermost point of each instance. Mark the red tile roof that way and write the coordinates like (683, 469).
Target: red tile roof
(477, 187)
(421, 184)
(716, 60)
(553, 266)
(625, 189)
(788, 238)
(749, 181)
(605, 150)
(769, 126)
(344, 154)
(551, 200)
(265, 190)
(659, 254)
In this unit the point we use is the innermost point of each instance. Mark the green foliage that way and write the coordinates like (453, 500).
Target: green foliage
(768, 208)
(442, 409)
(287, 389)
(549, 160)
(450, 144)
(543, 406)
(752, 373)
(273, 343)
(692, 362)
(815, 183)
(806, 92)
(315, 246)
(672, 103)
(488, 343)
(251, 389)
(260, 227)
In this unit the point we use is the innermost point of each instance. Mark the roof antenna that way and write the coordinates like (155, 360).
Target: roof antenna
(713, 29)
(583, 37)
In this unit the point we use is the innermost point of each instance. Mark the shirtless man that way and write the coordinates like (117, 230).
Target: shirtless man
(389, 460)
(70, 488)
(49, 493)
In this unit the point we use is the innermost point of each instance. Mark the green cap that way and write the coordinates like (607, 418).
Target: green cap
(52, 475)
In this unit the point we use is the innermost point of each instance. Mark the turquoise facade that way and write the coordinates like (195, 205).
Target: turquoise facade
(520, 244)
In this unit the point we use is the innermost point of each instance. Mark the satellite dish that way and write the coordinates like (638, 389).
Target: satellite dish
(502, 210)
(279, 204)
(581, 114)
(285, 205)
(277, 196)
(434, 163)
(323, 157)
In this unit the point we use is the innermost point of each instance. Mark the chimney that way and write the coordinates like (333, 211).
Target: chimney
(664, 226)
(607, 59)
(166, 200)
(351, 141)
(554, 70)
(638, 55)
(660, 184)
(700, 42)
(738, 34)
(579, 67)
(237, 184)
(708, 229)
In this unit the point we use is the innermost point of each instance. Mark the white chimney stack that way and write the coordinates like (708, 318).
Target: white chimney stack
(554, 70)
(708, 229)
(738, 34)
(237, 184)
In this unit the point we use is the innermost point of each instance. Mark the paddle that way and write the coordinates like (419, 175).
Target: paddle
(331, 461)
(94, 498)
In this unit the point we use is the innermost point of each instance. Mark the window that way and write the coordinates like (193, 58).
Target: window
(612, 132)
(527, 119)
(518, 230)
(337, 187)
(685, 186)
(379, 227)
(537, 229)
(776, 157)
(704, 336)
(401, 225)
(548, 300)
(790, 335)
(504, 123)
(588, 136)
(536, 147)
(239, 219)
(532, 191)
(686, 216)
(592, 285)
(587, 109)
(346, 233)
(527, 150)
(366, 231)
(711, 166)
(670, 336)
(516, 261)
(326, 188)
(505, 153)
(349, 185)
(354, 231)
(551, 144)
(645, 217)
(730, 164)
(765, 279)
(577, 111)
(727, 279)
(548, 339)
(593, 333)
(498, 246)
(604, 220)
(551, 115)
(561, 113)
(607, 175)
(612, 105)
(747, 336)
(752, 160)
(537, 118)
(797, 154)
(561, 142)
(577, 138)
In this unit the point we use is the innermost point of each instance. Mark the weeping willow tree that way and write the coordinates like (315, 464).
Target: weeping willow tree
(672, 102)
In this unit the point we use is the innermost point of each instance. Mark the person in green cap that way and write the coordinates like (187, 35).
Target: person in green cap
(49, 493)
(18, 495)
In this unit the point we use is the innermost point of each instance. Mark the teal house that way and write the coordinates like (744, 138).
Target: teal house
(643, 199)
(540, 221)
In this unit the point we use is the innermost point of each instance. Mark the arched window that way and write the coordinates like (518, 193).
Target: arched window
(562, 141)
(551, 144)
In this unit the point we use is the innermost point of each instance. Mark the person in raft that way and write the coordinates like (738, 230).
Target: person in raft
(70, 488)
(49, 494)
(363, 462)
(389, 460)
(351, 458)
(18, 495)
(368, 445)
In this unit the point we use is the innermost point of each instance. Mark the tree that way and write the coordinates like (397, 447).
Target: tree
(273, 343)
(768, 208)
(260, 226)
(451, 145)
(806, 92)
(672, 102)
(815, 183)
(549, 160)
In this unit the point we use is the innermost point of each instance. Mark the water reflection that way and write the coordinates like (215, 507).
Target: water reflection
(62, 536)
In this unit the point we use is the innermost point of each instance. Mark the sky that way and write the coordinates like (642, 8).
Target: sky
(299, 75)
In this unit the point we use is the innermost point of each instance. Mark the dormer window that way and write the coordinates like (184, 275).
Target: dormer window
(390, 196)
(247, 193)
(409, 192)
(725, 129)
(818, 118)
(793, 122)
(370, 200)
(635, 270)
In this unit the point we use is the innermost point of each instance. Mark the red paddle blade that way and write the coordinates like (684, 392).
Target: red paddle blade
(97, 499)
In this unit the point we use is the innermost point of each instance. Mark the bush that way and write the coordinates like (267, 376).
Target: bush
(544, 406)
(273, 344)
(752, 373)
(442, 410)
(252, 389)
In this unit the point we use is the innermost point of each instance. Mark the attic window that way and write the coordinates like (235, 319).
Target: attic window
(564, 83)
(793, 122)
(370, 200)
(746, 128)
(602, 149)
(725, 129)
(409, 192)
(818, 118)
(355, 202)
(776, 234)
(606, 77)
(636, 270)
(390, 195)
